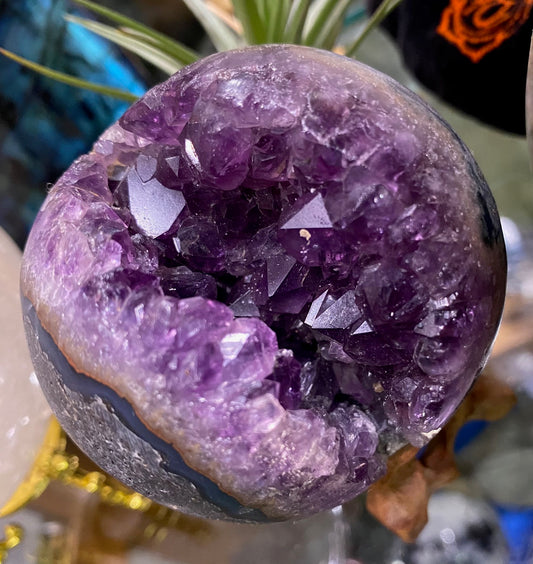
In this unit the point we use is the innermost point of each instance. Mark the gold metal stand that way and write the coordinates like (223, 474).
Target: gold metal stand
(56, 469)
(13, 534)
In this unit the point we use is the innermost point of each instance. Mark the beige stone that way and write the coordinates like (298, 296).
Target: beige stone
(24, 413)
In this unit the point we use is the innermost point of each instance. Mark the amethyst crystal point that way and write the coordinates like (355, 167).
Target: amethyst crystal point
(278, 267)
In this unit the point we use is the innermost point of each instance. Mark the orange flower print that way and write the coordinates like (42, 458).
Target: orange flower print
(476, 27)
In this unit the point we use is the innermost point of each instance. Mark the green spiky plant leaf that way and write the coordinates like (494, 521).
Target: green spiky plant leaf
(71, 80)
(316, 23)
(158, 40)
(222, 36)
(133, 42)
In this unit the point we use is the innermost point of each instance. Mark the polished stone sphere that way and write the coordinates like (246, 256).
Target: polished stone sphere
(277, 268)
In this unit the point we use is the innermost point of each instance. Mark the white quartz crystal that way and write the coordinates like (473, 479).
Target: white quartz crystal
(24, 413)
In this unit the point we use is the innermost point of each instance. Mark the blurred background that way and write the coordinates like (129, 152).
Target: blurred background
(485, 516)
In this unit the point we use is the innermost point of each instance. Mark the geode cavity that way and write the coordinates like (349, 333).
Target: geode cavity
(274, 270)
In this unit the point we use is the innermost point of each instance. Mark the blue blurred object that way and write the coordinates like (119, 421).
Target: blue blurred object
(517, 525)
(45, 125)
(468, 432)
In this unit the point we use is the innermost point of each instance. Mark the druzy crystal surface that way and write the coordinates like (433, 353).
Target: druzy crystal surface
(285, 262)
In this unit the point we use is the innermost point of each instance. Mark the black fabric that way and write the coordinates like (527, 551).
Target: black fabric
(491, 89)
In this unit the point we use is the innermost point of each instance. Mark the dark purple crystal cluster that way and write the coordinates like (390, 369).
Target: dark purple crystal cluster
(284, 262)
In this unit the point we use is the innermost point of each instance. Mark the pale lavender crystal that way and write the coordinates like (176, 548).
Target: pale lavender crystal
(285, 261)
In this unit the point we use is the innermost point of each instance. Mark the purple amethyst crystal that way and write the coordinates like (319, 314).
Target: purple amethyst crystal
(278, 267)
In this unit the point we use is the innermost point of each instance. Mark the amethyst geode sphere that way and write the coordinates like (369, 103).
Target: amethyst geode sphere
(278, 267)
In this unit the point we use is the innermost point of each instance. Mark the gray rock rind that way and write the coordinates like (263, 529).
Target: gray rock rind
(103, 436)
